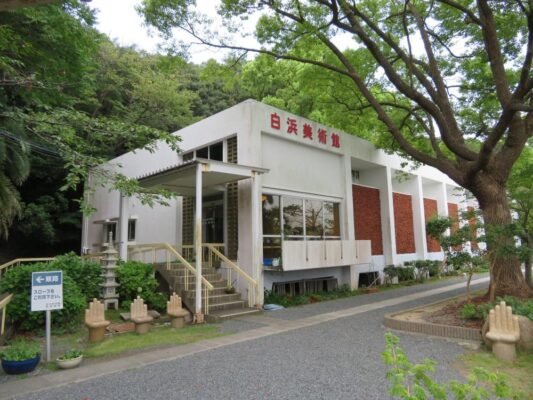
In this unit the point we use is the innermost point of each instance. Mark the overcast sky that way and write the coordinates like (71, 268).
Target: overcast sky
(119, 20)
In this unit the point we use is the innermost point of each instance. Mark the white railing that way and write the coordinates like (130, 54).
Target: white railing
(235, 274)
(164, 253)
(19, 261)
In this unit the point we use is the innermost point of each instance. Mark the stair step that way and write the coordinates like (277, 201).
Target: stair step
(219, 284)
(230, 305)
(217, 298)
(220, 315)
(182, 271)
(192, 278)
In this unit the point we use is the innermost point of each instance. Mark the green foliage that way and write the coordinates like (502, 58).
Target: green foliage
(86, 274)
(469, 311)
(290, 301)
(404, 273)
(413, 381)
(70, 354)
(137, 278)
(18, 281)
(481, 311)
(20, 350)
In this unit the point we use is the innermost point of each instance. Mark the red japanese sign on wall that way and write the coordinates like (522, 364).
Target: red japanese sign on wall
(291, 126)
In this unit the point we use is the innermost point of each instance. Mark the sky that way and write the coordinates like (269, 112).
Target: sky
(119, 20)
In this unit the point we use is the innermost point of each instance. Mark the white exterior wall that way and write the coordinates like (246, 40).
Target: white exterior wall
(298, 166)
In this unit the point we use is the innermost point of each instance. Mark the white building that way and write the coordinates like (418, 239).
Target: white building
(295, 204)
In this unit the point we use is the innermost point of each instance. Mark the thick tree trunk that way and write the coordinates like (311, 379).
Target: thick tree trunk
(506, 275)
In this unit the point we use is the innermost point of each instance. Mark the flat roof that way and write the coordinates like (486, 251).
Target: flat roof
(181, 178)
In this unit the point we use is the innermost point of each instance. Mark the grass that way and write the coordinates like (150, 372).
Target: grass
(519, 373)
(158, 336)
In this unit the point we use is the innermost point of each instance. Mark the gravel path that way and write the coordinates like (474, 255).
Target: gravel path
(339, 359)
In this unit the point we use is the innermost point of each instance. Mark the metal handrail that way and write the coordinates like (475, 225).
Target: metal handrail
(169, 251)
(233, 266)
(3, 304)
(252, 294)
(17, 261)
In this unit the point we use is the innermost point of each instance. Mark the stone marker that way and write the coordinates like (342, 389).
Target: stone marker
(504, 332)
(95, 321)
(139, 316)
(175, 311)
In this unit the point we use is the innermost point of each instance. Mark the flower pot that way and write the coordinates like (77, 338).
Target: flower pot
(20, 367)
(69, 362)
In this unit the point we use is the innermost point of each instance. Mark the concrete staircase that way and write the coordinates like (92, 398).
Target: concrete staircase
(221, 305)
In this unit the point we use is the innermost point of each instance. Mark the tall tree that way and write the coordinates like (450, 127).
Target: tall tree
(457, 71)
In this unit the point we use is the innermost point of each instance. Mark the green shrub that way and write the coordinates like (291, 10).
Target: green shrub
(413, 381)
(406, 274)
(18, 282)
(469, 311)
(20, 350)
(137, 278)
(86, 274)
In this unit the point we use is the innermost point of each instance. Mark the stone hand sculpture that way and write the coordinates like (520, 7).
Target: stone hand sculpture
(95, 321)
(504, 332)
(176, 312)
(139, 316)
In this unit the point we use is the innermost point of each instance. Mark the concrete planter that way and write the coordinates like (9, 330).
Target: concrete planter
(69, 363)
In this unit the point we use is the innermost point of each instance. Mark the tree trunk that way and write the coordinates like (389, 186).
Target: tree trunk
(506, 275)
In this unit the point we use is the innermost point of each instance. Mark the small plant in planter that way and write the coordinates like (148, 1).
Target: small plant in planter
(71, 359)
(20, 357)
(230, 288)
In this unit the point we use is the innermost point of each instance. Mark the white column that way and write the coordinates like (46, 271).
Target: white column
(123, 217)
(419, 219)
(198, 242)
(388, 224)
(257, 244)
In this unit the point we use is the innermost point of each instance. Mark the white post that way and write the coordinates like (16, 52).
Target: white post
(123, 228)
(256, 238)
(198, 243)
(48, 338)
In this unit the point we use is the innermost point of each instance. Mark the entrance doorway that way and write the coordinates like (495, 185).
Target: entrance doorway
(213, 219)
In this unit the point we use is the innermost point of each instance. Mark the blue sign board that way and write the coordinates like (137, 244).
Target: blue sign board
(47, 290)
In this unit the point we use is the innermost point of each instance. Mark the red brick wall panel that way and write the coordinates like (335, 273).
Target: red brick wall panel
(430, 211)
(453, 213)
(403, 221)
(367, 217)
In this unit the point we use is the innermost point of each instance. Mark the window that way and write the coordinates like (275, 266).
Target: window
(314, 218)
(331, 219)
(216, 151)
(131, 230)
(293, 218)
(293, 221)
(112, 227)
(212, 152)
(202, 153)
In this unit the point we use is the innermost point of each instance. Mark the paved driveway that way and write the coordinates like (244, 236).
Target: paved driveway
(329, 350)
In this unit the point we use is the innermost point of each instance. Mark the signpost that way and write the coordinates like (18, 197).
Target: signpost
(47, 295)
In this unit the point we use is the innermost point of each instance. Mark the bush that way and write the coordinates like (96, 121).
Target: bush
(20, 350)
(406, 274)
(18, 282)
(137, 278)
(86, 274)
(469, 311)
(413, 381)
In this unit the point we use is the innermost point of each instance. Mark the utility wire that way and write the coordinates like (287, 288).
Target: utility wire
(33, 146)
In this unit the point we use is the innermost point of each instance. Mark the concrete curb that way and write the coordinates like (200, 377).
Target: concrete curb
(456, 332)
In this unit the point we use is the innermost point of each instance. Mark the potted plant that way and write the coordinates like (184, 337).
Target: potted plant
(71, 359)
(230, 288)
(20, 357)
